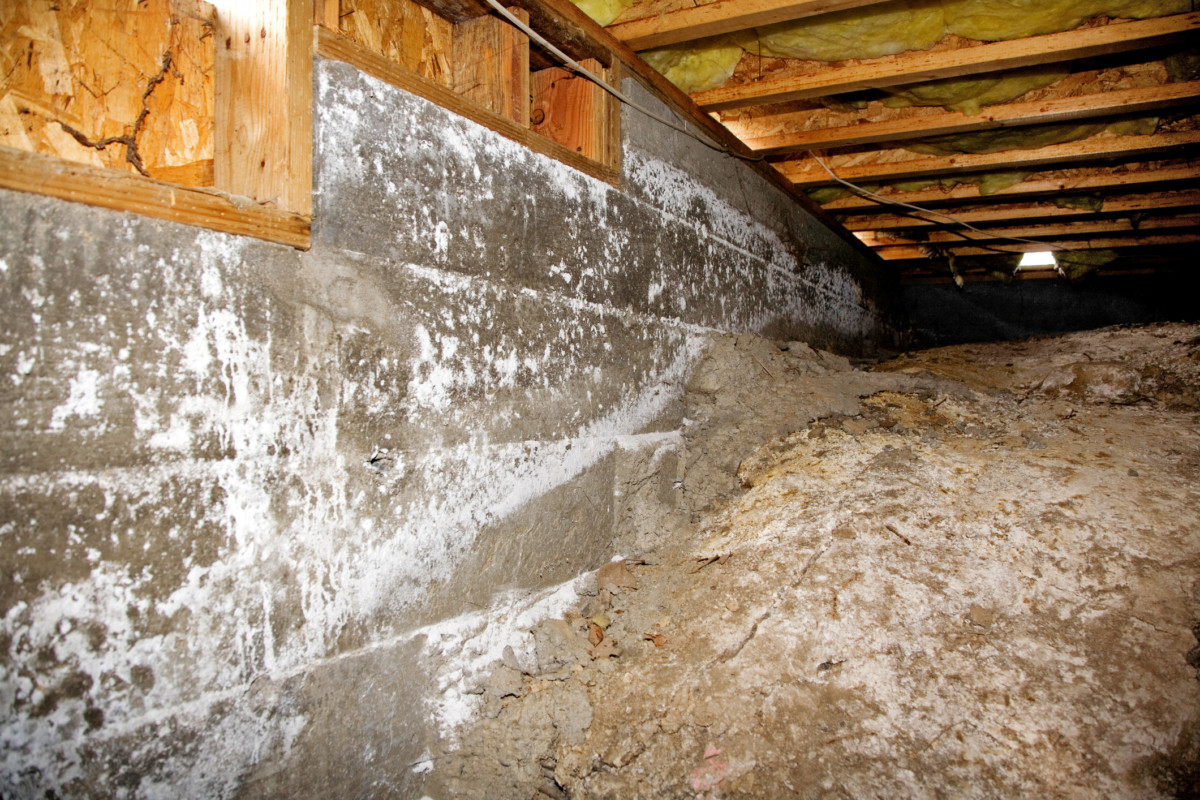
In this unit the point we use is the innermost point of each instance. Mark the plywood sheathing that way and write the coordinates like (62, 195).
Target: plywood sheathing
(403, 32)
(117, 83)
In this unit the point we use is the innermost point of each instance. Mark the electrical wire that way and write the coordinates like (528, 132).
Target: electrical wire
(720, 147)
(955, 220)
(578, 68)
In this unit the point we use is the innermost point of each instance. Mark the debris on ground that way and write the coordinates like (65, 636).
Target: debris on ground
(969, 572)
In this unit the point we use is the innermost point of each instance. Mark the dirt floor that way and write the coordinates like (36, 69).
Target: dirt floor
(971, 572)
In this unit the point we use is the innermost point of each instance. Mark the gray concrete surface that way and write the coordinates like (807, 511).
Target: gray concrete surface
(241, 487)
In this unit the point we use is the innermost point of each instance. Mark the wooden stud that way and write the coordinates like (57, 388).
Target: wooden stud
(884, 239)
(1055, 183)
(491, 65)
(1156, 201)
(940, 123)
(924, 65)
(456, 10)
(263, 137)
(326, 13)
(906, 252)
(805, 172)
(572, 110)
(654, 24)
(123, 191)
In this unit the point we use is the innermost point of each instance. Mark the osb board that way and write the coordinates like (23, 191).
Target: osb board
(126, 84)
(403, 32)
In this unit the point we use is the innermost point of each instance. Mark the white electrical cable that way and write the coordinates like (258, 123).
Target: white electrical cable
(888, 201)
(576, 67)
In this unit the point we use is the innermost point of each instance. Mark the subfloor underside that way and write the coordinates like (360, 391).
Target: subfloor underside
(971, 572)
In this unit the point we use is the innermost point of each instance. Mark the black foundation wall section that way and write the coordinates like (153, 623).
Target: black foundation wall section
(943, 314)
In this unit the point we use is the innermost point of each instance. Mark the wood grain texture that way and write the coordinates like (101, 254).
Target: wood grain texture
(1101, 243)
(898, 165)
(263, 134)
(113, 83)
(1055, 182)
(403, 31)
(654, 24)
(1149, 201)
(491, 65)
(879, 239)
(915, 66)
(123, 191)
(573, 111)
(1011, 115)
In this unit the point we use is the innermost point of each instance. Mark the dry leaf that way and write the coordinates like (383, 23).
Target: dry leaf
(595, 634)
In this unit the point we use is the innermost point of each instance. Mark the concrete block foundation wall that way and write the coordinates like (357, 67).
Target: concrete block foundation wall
(253, 499)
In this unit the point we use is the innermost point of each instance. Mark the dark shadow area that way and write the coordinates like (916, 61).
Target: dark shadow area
(943, 314)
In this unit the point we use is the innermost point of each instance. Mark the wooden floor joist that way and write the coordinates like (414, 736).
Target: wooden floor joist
(917, 66)
(906, 252)
(806, 172)
(1156, 201)
(938, 123)
(662, 22)
(1080, 228)
(1062, 181)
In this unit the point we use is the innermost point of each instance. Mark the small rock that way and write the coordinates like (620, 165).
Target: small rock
(1033, 440)
(1097, 381)
(615, 575)
(857, 427)
(981, 616)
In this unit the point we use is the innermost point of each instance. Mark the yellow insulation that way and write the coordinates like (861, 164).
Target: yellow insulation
(858, 33)
(999, 20)
(970, 95)
(603, 11)
(894, 28)
(694, 69)
(989, 183)
(1027, 138)
(1078, 264)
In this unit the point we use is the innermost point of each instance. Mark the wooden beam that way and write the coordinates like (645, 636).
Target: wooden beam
(491, 65)
(333, 46)
(1158, 201)
(263, 131)
(1061, 181)
(573, 111)
(757, 136)
(879, 239)
(456, 10)
(907, 252)
(655, 24)
(124, 191)
(325, 12)
(806, 172)
(579, 36)
(916, 66)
